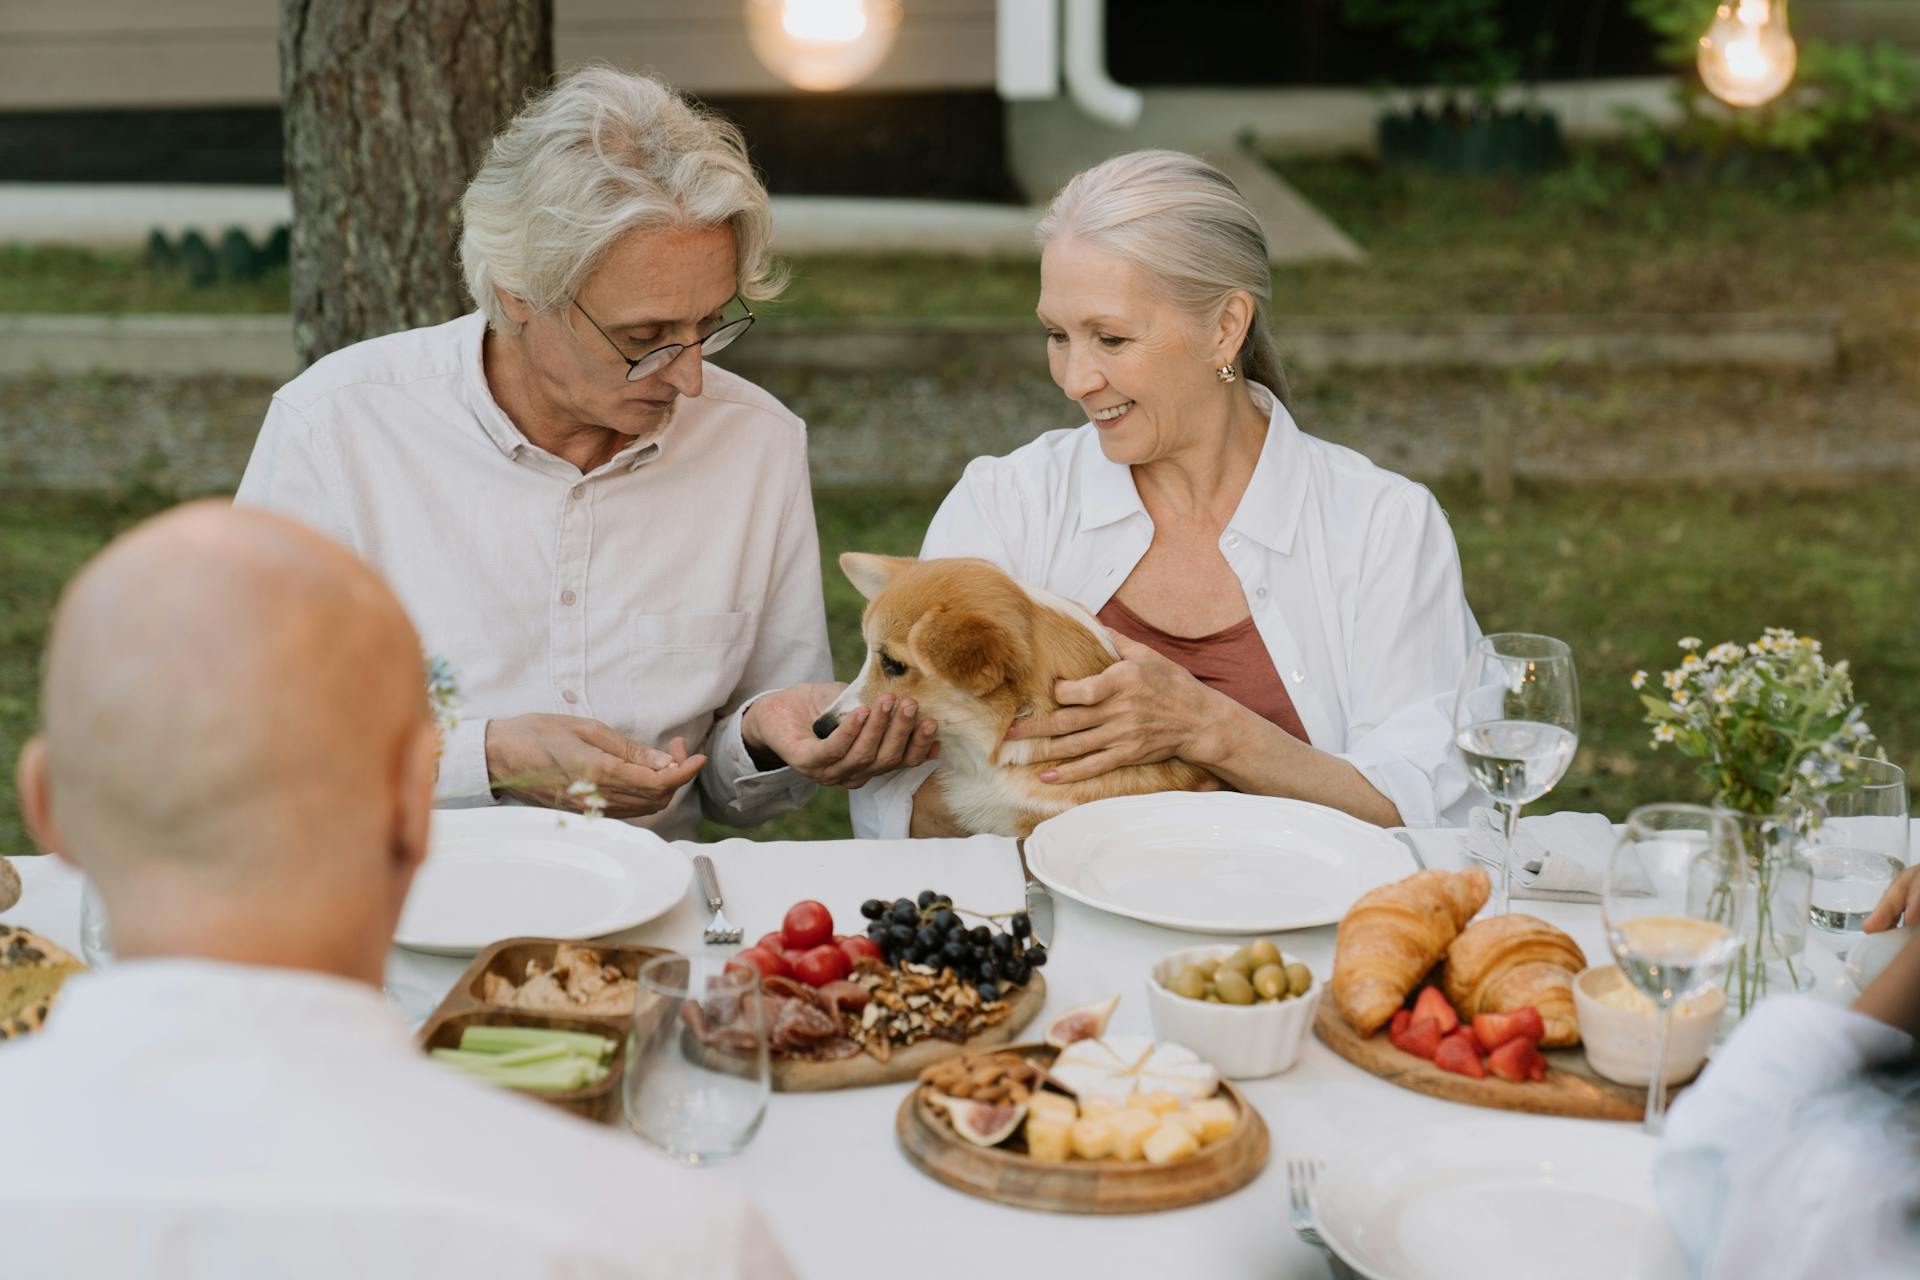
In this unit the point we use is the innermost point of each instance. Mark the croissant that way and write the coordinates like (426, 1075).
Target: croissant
(1394, 935)
(1510, 962)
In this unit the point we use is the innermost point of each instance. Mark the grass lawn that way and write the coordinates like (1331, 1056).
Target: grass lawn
(1619, 573)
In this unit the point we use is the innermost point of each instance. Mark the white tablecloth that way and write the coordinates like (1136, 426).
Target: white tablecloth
(826, 1167)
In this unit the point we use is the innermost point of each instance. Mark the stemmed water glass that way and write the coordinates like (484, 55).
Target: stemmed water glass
(1516, 721)
(1674, 942)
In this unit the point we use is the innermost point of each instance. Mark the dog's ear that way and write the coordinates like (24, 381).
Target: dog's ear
(976, 652)
(869, 573)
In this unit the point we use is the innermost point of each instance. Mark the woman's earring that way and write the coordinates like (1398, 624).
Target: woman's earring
(1227, 373)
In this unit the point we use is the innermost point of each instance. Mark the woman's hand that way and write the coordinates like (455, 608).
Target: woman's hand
(1901, 901)
(1143, 709)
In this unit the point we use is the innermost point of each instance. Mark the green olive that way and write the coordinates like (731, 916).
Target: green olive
(1241, 962)
(1270, 981)
(1265, 953)
(1233, 987)
(1299, 978)
(1190, 982)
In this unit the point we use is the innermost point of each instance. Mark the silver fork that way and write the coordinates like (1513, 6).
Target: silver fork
(720, 931)
(1300, 1178)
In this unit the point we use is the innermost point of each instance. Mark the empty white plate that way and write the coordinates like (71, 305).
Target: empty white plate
(520, 872)
(1215, 862)
(1547, 1199)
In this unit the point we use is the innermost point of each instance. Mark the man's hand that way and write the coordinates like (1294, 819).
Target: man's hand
(869, 741)
(1142, 709)
(534, 757)
(1901, 901)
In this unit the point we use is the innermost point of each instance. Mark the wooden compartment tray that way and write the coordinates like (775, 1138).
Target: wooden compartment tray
(1008, 1175)
(1572, 1088)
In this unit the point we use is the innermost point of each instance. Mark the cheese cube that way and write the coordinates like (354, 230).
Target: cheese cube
(1217, 1118)
(1047, 1141)
(1100, 1105)
(1161, 1101)
(1092, 1138)
(1056, 1107)
(1130, 1130)
(1170, 1142)
(1182, 1120)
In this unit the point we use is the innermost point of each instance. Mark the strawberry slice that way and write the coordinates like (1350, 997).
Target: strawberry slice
(1514, 1059)
(1402, 1019)
(1420, 1039)
(1460, 1053)
(1495, 1029)
(1537, 1069)
(1432, 1004)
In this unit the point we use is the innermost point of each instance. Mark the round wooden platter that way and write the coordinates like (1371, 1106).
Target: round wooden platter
(1571, 1088)
(906, 1064)
(1010, 1176)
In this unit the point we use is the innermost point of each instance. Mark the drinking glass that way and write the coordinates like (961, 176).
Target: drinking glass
(1516, 721)
(1859, 846)
(96, 944)
(1675, 942)
(697, 1075)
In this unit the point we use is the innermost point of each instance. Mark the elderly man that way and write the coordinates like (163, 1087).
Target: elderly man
(249, 788)
(612, 542)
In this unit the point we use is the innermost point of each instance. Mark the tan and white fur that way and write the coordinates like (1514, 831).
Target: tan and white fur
(977, 651)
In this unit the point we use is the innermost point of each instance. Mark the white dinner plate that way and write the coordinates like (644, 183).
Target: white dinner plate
(515, 872)
(1216, 861)
(1547, 1199)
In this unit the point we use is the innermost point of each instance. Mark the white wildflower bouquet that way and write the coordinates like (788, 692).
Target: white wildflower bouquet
(1773, 724)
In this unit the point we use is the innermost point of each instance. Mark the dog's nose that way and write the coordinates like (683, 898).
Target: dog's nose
(825, 725)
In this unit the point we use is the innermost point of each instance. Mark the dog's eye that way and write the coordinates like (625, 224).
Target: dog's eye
(891, 667)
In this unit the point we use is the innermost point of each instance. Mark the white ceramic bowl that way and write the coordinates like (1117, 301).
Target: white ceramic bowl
(1242, 1041)
(1619, 1042)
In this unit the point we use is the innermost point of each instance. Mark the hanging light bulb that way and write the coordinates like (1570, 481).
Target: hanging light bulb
(822, 44)
(1747, 56)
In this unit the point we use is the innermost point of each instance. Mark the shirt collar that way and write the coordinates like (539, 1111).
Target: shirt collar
(178, 997)
(1269, 511)
(500, 429)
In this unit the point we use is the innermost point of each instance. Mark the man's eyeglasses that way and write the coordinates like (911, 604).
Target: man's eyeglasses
(660, 357)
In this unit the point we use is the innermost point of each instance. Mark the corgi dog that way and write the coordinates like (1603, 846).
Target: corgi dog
(977, 651)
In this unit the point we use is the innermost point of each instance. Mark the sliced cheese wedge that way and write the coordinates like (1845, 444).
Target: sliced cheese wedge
(1118, 1067)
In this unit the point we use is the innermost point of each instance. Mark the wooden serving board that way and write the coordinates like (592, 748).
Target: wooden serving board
(1571, 1088)
(908, 1063)
(509, 957)
(1008, 1175)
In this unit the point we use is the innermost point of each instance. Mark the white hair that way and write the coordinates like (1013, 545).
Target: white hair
(1184, 222)
(600, 154)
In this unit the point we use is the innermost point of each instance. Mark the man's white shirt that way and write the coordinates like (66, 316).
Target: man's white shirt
(657, 594)
(183, 1118)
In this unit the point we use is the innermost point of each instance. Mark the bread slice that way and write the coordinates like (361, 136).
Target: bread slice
(32, 970)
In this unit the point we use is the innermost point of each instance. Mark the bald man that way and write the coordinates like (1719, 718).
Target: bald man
(236, 749)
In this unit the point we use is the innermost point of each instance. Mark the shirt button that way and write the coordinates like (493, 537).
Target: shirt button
(573, 492)
(1233, 540)
(1296, 675)
(567, 597)
(1261, 592)
(570, 697)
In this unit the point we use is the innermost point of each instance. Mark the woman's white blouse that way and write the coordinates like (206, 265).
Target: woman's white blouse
(1350, 572)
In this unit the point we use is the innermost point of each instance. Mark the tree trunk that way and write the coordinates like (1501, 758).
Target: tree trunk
(389, 105)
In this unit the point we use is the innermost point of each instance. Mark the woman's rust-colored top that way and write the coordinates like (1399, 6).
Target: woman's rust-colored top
(1234, 661)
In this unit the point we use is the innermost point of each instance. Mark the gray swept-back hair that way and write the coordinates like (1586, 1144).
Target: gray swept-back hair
(602, 153)
(1184, 222)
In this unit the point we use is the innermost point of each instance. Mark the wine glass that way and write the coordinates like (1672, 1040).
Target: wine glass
(1674, 906)
(1516, 721)
(96, 943)
(697, 1075)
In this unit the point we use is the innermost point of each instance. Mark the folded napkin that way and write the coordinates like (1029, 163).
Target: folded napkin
(1559, 857)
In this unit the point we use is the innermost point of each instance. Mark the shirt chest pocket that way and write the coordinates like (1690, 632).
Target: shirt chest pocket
(683, 666)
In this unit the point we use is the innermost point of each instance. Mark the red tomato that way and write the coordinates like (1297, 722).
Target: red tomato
(859, 948)
(769, 963)
(775, 942)
(825, 963)
(792, 956)
(808, 924)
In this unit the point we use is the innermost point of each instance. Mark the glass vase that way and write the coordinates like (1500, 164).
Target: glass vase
(1771, 913)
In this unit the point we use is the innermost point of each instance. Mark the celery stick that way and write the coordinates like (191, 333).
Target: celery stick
(507, 1039)
(537, 1053)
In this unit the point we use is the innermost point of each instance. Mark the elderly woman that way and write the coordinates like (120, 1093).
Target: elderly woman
(611, 542)
(1288, 615)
